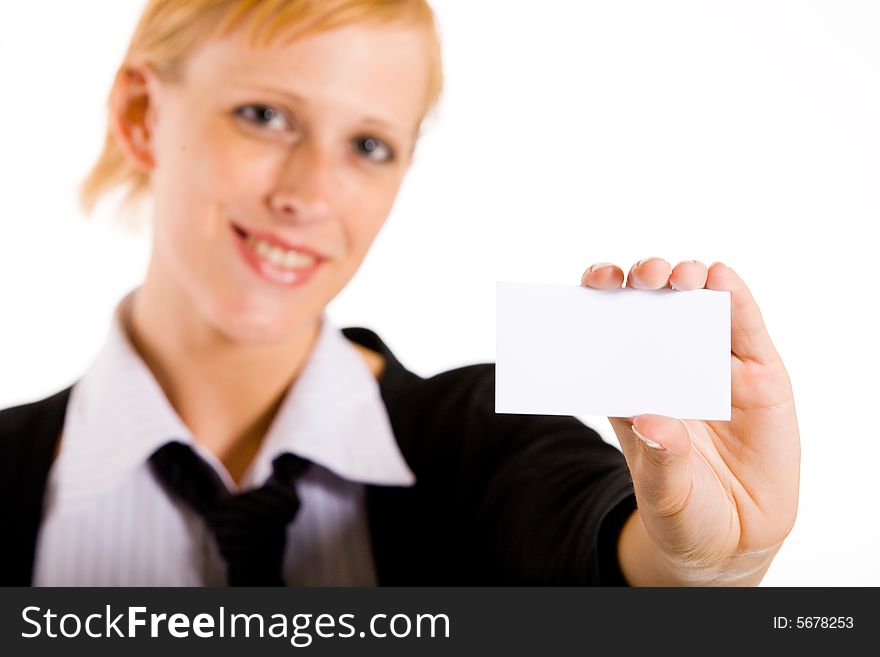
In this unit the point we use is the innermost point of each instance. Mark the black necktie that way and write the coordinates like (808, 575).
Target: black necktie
(250, 527)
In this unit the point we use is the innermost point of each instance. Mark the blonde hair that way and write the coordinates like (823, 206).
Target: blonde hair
(169, 30)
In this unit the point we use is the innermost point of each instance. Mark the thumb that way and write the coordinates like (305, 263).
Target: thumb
(657, 449)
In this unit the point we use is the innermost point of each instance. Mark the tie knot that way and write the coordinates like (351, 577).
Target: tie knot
(250, 527)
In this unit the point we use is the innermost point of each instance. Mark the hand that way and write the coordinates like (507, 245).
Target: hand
(716, 499)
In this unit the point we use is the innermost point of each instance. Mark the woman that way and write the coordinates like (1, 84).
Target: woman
(228, 434)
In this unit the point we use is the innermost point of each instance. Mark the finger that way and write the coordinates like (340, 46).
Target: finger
(689, 275)
(749, 339)
(666, 434)
(657, 449)
(603, 276)
(649, 274)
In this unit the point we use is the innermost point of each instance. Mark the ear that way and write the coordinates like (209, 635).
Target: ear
(133, 114)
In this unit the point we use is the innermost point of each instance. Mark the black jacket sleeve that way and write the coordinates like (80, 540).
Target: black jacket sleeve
(557, 498)
(544, 497)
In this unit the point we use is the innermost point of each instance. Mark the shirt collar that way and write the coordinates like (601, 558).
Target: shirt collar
(334, 415)
(118, 416)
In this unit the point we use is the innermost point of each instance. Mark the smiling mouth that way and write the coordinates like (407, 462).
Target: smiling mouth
(274, 254)
(274, 262)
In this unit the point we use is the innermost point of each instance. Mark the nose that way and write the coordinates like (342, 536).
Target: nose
(305, 186)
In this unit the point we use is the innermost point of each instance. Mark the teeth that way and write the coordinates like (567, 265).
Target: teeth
(278, 257)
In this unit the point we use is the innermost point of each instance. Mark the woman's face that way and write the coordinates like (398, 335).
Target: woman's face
(273, 169)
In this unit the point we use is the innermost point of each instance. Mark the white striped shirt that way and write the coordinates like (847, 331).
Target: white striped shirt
(108, 522)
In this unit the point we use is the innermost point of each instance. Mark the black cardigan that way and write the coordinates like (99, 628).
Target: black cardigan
(499, 498)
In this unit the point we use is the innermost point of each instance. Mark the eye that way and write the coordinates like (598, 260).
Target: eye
(374, 149)
(264, 116)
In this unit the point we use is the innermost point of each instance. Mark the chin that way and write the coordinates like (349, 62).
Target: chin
(246, 323)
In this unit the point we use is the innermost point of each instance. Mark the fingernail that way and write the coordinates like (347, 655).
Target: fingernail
(647, 441)
(599, 265)
(644, 260)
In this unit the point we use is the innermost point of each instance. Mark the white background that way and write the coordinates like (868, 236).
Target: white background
(571, 132)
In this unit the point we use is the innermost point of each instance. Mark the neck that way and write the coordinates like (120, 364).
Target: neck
(225, 391)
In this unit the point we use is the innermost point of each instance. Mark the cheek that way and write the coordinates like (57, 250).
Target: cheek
(204, 180)
(368, 211)
(211, 168)
(231, 174)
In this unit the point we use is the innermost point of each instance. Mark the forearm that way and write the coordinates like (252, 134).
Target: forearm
(643, 564)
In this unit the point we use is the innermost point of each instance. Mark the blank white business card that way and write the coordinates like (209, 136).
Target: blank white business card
(573, 350)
